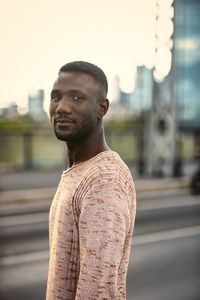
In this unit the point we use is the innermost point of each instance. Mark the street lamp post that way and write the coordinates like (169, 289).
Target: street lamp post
(161, 144)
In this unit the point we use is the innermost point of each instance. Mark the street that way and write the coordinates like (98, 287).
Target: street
(164, 260)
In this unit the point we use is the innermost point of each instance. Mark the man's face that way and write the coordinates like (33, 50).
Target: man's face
(74, 106)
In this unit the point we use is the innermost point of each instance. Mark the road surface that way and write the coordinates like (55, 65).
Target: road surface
(164, 261)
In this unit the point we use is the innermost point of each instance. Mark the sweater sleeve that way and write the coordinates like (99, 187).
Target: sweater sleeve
(105, 229)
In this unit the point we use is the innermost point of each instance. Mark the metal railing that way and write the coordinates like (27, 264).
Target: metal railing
(27, 151)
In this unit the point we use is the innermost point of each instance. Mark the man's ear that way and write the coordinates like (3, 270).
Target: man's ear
(103, 106)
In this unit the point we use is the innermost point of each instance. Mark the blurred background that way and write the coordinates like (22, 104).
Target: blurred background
(150, 52)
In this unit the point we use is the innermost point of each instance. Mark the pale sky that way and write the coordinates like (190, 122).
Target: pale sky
(39, 36)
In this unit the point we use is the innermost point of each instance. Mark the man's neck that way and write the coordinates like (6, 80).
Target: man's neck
(86, 149)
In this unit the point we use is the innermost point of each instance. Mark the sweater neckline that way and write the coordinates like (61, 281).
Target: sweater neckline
(89, 160)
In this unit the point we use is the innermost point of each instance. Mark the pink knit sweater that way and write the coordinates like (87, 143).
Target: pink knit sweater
(91, 222)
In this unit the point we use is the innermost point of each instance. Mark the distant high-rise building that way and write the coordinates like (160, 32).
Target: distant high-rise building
(9, 112)
(125, 99)
(141, 98)
(116, 89)
(36, 105)
(186, 65)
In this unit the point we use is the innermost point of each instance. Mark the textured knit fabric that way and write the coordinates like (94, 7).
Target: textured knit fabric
(91, 223)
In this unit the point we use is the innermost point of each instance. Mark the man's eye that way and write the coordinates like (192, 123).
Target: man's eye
(77, 97)
(55, 98)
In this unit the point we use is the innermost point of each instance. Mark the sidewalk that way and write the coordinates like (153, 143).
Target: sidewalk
(144, 187)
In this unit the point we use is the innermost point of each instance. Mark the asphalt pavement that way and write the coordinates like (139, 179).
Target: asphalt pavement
(38, 186)
(164, 257)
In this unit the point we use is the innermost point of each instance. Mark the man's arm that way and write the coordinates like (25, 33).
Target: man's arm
(105, 228)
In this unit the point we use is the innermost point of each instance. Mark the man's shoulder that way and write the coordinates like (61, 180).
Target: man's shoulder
(108, 164)
(108, 172)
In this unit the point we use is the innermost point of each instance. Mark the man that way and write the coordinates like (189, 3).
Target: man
(93, 212)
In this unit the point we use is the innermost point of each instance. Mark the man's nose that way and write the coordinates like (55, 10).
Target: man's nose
(63, 106)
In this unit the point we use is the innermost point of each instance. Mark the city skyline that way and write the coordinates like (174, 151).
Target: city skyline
(39, 37)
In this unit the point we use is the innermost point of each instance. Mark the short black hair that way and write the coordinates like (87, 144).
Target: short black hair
(88, 68)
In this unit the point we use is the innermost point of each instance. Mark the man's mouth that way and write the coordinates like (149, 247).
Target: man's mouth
(63, 121)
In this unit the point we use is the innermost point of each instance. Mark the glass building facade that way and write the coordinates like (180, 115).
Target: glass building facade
(186, 64)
